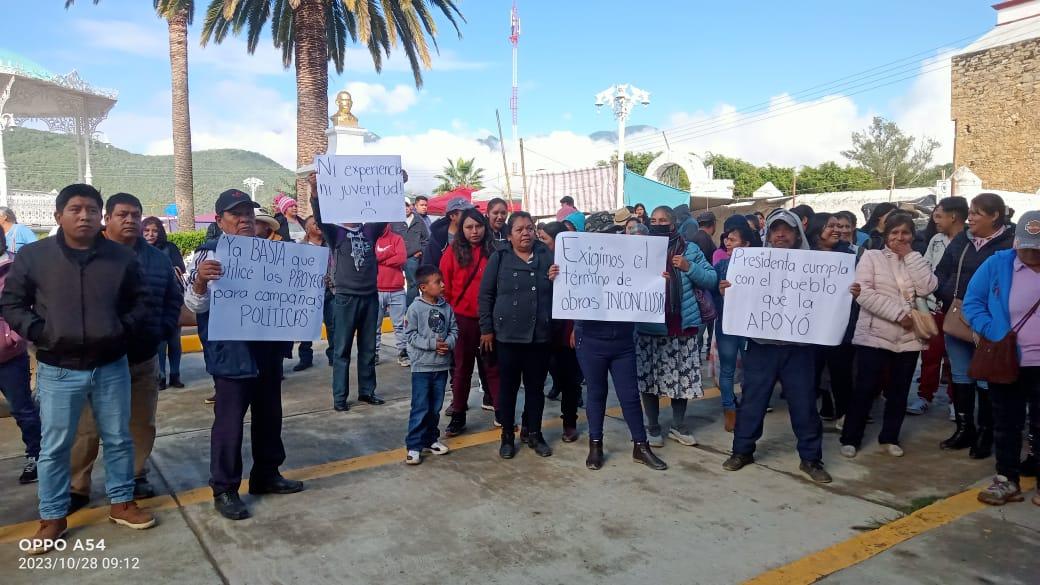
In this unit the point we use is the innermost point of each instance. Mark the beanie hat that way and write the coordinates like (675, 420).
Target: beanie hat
(282, 202)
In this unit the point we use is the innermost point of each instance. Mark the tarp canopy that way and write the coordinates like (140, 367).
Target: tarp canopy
(439, 204)
(639, 189)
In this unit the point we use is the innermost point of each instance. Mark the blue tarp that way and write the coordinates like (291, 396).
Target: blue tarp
(639, 189)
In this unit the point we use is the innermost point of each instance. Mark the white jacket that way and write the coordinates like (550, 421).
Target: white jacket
(886, 282)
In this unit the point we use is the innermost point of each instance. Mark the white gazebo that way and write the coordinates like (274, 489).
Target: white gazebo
(65, 103)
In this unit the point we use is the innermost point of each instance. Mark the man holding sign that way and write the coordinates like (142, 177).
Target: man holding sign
(355, 308)
(783, 302)
(247, 375)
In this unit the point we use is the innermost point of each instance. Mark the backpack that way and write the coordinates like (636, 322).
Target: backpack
(601, 222)
(11, 344)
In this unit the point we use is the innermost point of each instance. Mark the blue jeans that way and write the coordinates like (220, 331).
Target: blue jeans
(354, 314)
(14, 383)
(173, 346)
(959, 353)
(410, 266)
(729, 347)
(427, 399)
(603, 349)
(794, 366)
(62, 396)
(393, 303)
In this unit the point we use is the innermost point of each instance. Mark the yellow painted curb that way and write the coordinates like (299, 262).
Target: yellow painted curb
(191, 343)
(811, 568)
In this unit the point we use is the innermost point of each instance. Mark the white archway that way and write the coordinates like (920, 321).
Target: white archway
(695, 169)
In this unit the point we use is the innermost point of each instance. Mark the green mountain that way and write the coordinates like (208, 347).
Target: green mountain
(42, 161)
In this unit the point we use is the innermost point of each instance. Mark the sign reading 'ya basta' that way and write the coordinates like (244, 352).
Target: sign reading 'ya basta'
(609, 277)
(269, 291)
(789, 295)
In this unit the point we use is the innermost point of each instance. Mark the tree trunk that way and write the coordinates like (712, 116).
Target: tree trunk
(183, 189)
(312, 90)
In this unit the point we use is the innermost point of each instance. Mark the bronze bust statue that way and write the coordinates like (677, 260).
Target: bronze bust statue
(343, 117)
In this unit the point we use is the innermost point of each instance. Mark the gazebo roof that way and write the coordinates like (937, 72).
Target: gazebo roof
(38, 93)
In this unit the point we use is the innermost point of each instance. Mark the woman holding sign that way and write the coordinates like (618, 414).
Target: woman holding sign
(667, 360)
(463, 266)
(515, 321)
(890, 281)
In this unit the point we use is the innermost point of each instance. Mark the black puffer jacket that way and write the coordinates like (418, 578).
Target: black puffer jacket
(437, 243)
(80, 315)
(163, 298)
(516, 297)
(414, 236)
(946, 270)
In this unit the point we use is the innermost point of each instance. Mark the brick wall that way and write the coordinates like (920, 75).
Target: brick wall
(996, 104)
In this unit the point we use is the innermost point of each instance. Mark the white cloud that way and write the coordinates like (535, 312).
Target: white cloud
(359, 60)
(790, 132)
(378, 98)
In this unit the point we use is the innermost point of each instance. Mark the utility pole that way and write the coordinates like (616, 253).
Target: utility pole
(505, 165)
(794, 189)
(621, 98)
(891, 187)
(523, 174)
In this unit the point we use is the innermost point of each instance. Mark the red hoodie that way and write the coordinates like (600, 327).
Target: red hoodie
(390, 254)
(456, 277)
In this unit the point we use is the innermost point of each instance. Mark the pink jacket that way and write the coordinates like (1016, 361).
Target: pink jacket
(886, 282)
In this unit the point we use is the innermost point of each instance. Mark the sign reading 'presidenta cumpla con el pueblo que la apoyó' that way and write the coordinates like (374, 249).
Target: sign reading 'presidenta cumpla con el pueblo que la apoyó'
(789, 295)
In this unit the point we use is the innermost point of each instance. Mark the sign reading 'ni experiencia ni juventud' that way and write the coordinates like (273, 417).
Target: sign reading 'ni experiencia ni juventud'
(360, 188)
(609, 277)
(789, 295)
(269, 291)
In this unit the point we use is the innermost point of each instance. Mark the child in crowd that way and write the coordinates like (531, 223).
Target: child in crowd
(431, 332)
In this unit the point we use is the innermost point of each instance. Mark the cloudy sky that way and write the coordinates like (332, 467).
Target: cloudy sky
(777, 82)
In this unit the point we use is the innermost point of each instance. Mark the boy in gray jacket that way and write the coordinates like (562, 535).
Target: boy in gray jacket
(430, 332)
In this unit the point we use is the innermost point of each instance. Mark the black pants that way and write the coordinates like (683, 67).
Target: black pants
(529, 361)
(871, 366)
(1009, 414)
(838, 360)
(307, 347)
(567, 377)
(263, 395)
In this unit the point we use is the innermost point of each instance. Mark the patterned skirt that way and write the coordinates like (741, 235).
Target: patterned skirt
(668, 366)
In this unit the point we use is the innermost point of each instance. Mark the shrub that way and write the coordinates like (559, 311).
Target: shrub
(187, 241)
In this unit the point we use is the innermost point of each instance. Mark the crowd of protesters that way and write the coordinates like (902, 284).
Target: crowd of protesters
(102, 301)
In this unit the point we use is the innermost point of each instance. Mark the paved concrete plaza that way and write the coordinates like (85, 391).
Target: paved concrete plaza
(470, 517)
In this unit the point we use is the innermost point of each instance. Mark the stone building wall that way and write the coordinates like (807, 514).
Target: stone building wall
(996, 105)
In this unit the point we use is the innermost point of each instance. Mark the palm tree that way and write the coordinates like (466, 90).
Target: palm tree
(178, 15)
(313, 32)
(461, 173)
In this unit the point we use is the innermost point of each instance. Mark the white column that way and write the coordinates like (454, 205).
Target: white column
(3, 168)
(88, 177)
(621, 161)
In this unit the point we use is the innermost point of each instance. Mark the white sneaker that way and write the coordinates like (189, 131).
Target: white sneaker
(893, 450)
(682, 438)
(953, 414)
(413, 458)
(840, 423)
(917, 406)
(848, 451)
(437, 448)
(654, 440)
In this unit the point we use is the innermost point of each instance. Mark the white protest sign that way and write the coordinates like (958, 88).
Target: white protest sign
(789, 295)
(609, 277)
(360, 188)
(269, 291)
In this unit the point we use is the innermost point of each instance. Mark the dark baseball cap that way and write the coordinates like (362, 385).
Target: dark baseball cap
(233, 198)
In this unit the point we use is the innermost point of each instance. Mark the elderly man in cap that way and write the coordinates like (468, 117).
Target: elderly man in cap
(443, 231)
(247, 375)
(765, 362)
(355, 308)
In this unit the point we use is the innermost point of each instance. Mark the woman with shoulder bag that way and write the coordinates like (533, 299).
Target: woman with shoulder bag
(515, 304)
(462, 267)
(14, 380)
(667, 360)
(1001, 305)
(986, 235)
(890, 281)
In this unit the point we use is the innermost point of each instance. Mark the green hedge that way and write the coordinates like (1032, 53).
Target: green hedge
(187, 241)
